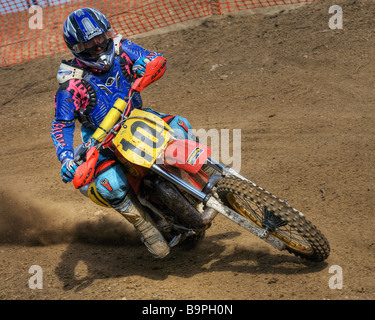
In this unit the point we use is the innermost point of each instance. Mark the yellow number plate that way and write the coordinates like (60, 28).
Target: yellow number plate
(142, 138)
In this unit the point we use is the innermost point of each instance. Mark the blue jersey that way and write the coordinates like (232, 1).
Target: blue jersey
(90, 96)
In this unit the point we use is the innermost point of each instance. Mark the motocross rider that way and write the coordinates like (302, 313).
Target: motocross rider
(102, 70)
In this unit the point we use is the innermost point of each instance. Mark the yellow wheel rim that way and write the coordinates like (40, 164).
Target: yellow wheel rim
(253, 212)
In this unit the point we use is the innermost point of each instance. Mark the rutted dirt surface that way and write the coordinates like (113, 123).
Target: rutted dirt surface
(302, 95)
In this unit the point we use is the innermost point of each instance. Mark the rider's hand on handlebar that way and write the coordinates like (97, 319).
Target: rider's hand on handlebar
(139, 67)
(68, 169)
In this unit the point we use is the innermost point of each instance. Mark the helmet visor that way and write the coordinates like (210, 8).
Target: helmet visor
(94, 46)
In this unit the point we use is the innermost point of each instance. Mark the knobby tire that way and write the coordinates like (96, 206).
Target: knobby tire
(300, 236)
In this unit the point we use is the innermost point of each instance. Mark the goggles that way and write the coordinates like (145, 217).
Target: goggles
(91, 46)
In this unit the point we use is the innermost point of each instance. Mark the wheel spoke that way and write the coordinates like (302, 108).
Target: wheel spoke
(267, 220)
(275, 217)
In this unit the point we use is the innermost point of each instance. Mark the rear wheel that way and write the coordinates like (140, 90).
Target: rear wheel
(275, 216)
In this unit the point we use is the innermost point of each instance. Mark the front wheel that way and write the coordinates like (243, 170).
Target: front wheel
(275, 216)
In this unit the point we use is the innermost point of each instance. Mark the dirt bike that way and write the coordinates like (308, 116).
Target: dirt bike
(182, 189)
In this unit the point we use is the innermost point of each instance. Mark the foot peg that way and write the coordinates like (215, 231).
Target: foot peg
(175, 240)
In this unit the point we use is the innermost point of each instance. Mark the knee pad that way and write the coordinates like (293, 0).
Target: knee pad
(90, 191)
(111, 183)
(96, 197)
(181, 126)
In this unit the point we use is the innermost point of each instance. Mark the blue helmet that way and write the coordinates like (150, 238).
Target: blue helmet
(88, 34)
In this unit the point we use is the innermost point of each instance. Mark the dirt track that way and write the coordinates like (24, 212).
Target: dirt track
(301, 94)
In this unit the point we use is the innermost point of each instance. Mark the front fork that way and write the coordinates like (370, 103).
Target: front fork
(223, 170)
(214, 204)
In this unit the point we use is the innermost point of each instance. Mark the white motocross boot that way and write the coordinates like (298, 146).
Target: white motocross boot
(150, 235)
